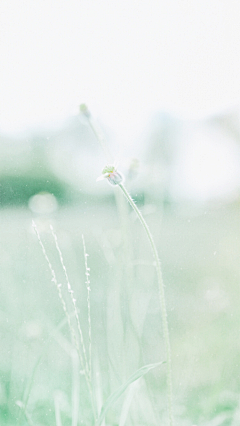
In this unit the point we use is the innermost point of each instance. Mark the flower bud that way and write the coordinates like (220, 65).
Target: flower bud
(111, 174)
(84, 110)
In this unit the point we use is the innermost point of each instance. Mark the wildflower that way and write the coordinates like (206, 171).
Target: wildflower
(113, 176)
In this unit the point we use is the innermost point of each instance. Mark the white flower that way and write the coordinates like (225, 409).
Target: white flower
(111, 174)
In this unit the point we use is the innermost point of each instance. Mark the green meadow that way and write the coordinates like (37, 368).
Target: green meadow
(41, 379)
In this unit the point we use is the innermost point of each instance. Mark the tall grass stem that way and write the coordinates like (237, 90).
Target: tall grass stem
(58, 286)
(72, 299)
(97, 132)
(84, 366)
(84, 110)
(87, 273)
(161, 297)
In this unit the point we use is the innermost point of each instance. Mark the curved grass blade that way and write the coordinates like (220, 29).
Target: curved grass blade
(115, 395)
(127, 402)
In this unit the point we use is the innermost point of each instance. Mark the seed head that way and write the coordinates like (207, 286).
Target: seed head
(84, 110)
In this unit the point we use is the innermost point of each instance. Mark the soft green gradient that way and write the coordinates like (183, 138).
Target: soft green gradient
(200, 259)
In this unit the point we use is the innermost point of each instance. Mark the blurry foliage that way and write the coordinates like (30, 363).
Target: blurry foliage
(200, 257)
(44, 162)
(16, 190)
(200, 268)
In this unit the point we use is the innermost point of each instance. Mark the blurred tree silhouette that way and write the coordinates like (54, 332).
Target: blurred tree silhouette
(16, 190)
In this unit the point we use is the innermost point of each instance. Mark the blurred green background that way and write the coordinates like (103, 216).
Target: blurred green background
(52, 181)
(162, 82)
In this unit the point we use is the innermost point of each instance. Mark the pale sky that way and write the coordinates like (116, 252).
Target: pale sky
(126, 59)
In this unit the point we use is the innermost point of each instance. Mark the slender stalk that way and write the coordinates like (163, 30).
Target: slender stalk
(161, 297)
(85, 363)
(58, 286)
(85, 366)
(115, 176)
(97, 132)
(87, 282)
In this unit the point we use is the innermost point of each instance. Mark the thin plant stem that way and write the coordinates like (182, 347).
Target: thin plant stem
(161, 297)
(97, 132)
(23, 408)
(87, 368)
(57, 411)
(84, 110)
(87, 273)
(72, 298)
(58, 286)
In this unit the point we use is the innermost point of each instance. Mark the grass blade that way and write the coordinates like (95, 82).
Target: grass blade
(115, 395)
(57, 411)
(127, 402)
